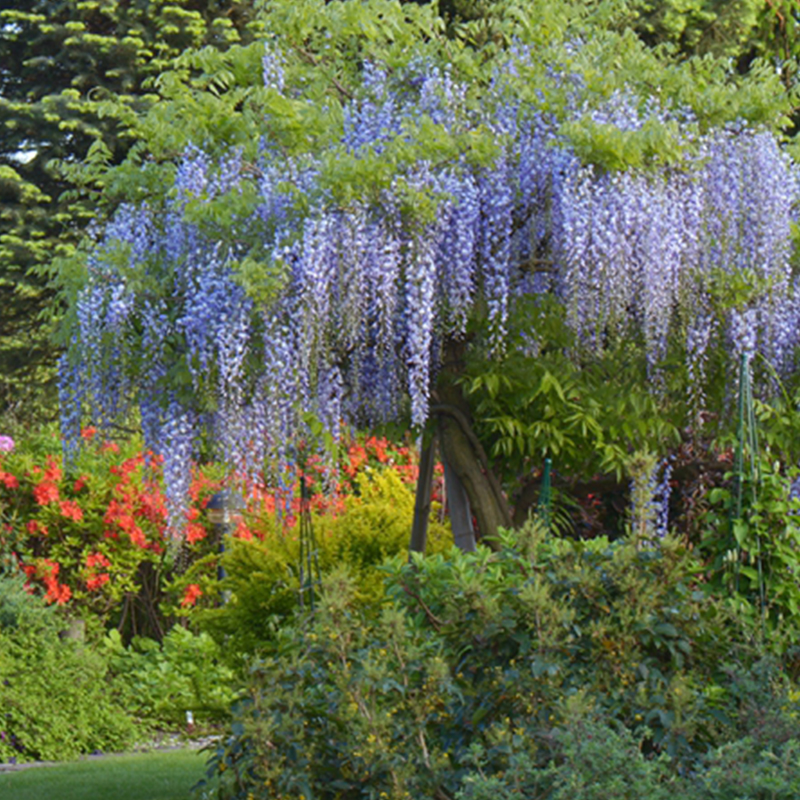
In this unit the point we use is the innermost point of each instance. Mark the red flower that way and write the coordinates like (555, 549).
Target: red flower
(46, 492)
(53, 471)
(289, 521)
(137, 537)
(71, 510)
(152, 505)
(242, 531)
(195, 532)
(109, 447)
(120, 514)
(9, 480)
(80, 483)
(96, 581)
(97, 560)
(35, 527)
(88, 433)
(193, 591)
(58, 593)
(379, 446)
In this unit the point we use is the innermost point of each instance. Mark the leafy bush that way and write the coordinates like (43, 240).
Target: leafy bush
(752, 551)
(344, 706)
(262, 580)
(56, 698)
(164, 681)
(749, 770)
(588, 760)
(628, 627)
(591, 760)
(91, 535)
(492, 669)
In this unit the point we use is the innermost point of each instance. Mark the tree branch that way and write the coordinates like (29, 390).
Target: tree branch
(311, 59)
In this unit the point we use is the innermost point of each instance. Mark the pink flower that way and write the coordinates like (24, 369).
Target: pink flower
(6, 444)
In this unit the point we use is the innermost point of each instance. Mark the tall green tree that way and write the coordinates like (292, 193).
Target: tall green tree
(73, 75)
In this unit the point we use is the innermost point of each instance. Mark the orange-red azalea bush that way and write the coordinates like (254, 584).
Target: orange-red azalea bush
(93, 538)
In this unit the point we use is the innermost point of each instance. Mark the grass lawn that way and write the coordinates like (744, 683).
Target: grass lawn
(142, 776)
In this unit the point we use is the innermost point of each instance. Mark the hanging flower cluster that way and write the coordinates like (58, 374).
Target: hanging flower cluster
(375, 285)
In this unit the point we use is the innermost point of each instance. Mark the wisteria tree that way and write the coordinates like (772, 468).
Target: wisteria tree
(328, 224)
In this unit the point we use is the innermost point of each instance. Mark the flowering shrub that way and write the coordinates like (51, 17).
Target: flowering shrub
(95, 538)
(87, 536)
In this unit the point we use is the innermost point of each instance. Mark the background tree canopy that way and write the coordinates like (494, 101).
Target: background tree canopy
(73, 77)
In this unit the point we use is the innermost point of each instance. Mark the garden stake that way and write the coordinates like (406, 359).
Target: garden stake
(755, 480)
(309, 565)
(747, 436)
(545, 495)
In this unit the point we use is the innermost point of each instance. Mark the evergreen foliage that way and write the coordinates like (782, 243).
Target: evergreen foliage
(73, 77)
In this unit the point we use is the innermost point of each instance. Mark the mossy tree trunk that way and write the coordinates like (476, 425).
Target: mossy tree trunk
(473, 489)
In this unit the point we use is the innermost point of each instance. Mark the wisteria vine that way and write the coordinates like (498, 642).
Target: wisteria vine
(372, 288)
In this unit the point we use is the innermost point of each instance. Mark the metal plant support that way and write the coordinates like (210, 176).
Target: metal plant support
(309, 564)
(746, 440)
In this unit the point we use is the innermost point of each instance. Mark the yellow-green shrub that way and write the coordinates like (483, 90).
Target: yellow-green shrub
(262, 575)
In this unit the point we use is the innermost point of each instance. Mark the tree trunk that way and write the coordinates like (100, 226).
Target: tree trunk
(422, 504)
(472, 486)
(463, 452)
(460, 510)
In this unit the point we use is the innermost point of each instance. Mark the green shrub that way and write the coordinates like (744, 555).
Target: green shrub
(627, 627)
(261, 587)
(56, 699)
(591, 760)
(753, 556)
(749, 770)
(341, 708)
(489, 673)
(164, 681)
(585, 760)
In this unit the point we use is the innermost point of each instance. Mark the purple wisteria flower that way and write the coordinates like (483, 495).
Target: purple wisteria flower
(370, 285)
